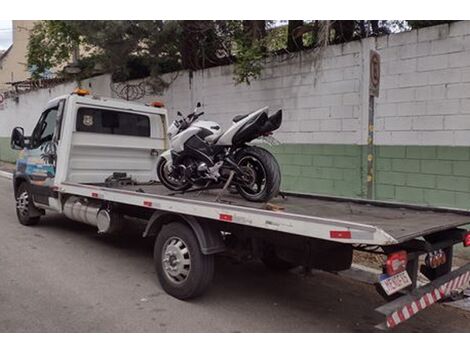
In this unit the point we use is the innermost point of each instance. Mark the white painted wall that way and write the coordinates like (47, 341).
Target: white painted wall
(425, 96)
(322, 106)
(26, 111)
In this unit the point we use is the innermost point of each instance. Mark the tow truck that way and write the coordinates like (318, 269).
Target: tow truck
(93, 160)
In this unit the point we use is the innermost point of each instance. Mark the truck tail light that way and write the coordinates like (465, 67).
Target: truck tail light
(396, 263)
(466, 239)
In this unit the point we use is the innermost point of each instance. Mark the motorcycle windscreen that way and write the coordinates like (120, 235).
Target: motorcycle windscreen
(251, 130)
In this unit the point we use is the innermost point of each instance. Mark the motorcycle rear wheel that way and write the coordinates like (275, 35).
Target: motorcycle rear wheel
(169, 182)
(266, 172)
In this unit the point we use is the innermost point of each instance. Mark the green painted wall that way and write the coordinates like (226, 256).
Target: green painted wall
(321, 168)
(6, 154)
(424, 174)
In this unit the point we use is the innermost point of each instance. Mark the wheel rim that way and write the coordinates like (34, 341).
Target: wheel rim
(166, 174)
(22, 204)
(176, 260)
(255, 169)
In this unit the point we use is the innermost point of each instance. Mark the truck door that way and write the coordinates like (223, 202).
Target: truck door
(38, 160)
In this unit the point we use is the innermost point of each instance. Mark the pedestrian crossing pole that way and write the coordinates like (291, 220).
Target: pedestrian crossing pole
(374, 84)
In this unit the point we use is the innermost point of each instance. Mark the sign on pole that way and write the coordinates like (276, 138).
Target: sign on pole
(374, 81)
(374, 84)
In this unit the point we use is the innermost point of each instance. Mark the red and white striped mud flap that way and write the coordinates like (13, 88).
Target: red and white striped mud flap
(406, 306)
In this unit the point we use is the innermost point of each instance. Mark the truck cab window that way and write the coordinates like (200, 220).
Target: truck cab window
(44, 130)
(115, 122)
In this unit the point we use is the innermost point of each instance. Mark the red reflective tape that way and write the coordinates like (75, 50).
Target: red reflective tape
(390, 322)
(401, 316)
(410, 310)
(418, 303)
(426, 300)
(225, 217)
(340, 234)
(147, 203)
(95, 195)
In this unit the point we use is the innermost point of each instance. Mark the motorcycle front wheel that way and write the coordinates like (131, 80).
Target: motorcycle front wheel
(262, 175)
(170, 182)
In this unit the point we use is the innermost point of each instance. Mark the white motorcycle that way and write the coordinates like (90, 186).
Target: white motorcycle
(203, 155)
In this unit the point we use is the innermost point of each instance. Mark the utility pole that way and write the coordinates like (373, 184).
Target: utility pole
(374, 85)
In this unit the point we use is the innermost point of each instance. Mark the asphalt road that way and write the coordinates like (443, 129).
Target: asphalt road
(59, 276)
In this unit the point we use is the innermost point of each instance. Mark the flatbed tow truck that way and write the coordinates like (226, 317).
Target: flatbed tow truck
(93, 160)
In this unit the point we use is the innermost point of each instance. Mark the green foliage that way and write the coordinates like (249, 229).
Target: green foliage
(248, 65)
(51, 44)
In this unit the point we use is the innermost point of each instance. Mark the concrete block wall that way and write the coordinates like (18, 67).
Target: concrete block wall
(317, 103)
(437, 175)
(425, 95)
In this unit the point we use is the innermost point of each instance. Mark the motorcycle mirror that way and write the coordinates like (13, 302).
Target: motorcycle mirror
(198, 104)
(179, 113)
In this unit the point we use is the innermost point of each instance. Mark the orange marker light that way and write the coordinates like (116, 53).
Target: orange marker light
(81, 92)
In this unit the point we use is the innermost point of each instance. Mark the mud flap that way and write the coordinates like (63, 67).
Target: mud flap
(403, 308)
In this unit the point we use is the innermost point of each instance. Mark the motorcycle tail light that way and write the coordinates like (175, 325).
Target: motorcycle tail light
(466, 239)
(396, 263)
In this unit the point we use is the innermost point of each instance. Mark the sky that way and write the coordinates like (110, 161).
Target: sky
(5, 34)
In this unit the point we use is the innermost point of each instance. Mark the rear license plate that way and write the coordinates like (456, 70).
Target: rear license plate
(395, 283)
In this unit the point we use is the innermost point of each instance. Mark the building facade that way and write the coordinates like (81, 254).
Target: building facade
(13, 61)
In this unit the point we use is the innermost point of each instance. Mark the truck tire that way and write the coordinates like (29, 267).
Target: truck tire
(25, 206)
(183, 271)
(272, 261)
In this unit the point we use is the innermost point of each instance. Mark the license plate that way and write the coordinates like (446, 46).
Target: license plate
(395, 283)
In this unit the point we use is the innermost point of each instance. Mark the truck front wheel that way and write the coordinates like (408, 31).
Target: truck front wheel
(25, 207)
(183, 270)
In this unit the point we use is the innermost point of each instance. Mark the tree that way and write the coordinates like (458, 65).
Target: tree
(294, 36)
(50, 45)
(137, 49)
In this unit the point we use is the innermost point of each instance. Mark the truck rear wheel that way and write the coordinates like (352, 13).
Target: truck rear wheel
(183, 270)
(25, 206)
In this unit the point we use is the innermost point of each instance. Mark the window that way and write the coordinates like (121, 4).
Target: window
(112, 122)
(44, 130)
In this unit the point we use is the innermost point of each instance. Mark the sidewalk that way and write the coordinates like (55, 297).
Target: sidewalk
(6, 169)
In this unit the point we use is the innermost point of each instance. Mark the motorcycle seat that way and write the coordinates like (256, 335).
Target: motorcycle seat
(239, 117)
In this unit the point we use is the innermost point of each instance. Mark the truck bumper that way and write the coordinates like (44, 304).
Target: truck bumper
(403, 308)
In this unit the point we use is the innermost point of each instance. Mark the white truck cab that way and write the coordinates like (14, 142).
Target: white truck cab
(83, 138)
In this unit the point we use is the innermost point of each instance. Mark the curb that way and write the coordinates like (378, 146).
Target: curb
(6, 174)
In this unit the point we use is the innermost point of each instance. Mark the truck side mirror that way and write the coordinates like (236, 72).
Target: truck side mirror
(17, 138)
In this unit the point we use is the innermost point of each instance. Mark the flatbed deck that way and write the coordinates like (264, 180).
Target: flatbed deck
(399, 220)
(332, 218)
